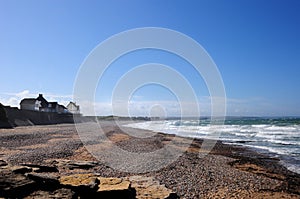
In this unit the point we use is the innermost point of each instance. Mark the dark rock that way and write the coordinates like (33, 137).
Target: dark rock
(41, 168)
(82, 165)
(44, 180)
(15, 185)
(4, 123)
(20, 169)
(59, 193)
(173, 196)
(2, 163)
(293, 182)
(124, 194)
(77, 164)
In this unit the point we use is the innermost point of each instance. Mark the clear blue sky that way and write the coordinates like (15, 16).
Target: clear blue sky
(255, 44)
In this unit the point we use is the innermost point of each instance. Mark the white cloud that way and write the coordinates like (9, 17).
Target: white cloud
(13, 99)
(95, 108)
(23, 94)
(251, 107)
(140, 108)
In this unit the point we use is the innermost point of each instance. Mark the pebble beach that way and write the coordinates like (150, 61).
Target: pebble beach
(226, 172)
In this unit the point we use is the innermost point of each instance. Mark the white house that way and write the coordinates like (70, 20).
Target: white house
(73, 108)
(42, 105)
(30, 104)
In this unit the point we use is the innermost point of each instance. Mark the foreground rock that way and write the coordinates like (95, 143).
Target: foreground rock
(58, 193)
(14, 185)
(108, 184)
(147, 187)
(80, 182)
(71, 164)
(115, 188)
(41, 181)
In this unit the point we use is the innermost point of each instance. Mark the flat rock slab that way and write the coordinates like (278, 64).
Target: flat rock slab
(109, 184)
(115, 188)
(89, 181)
(149, 188)
(71, 164)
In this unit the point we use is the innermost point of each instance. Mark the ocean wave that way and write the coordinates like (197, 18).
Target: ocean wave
(282, 139)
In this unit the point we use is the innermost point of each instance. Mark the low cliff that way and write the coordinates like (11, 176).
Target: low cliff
(12, 117)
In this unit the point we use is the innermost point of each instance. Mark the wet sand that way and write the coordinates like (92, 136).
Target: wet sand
(226, 172)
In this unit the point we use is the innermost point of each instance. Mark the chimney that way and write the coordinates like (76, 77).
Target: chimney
(40, 95)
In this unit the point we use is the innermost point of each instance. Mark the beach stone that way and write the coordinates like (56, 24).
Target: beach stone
(59, 193)
(81, 165)
(41, 168)
(294, 184)
(148, 188)
(3, 163)
(71, 164)
(20, 169)
(108, 184)
(115, 188)
(79, 181)
(44, 179)
(14, 185)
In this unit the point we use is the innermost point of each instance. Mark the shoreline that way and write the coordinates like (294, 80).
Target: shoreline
(290, 167)
(290, 161)
(226, 171)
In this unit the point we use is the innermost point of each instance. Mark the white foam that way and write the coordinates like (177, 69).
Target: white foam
(292, 168)
(281, 140)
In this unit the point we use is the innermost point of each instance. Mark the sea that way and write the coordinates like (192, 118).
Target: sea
(276, 137)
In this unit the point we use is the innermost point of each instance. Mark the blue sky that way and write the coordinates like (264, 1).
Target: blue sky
(255, 44)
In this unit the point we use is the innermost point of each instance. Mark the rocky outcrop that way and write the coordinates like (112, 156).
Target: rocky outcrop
(115, 188)
(148, 187)
(58, 193)
(80, 182)
(46, 181)
(108, 184)
(14, 185)
(41, 168)
(4, 123)
(71, 164)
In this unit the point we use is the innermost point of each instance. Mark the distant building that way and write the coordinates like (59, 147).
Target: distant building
(52, 107)
(44, 104)
(36, 104)
(30, 104)
(41, 104)
(73, 108)
(62, 109)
